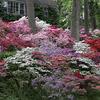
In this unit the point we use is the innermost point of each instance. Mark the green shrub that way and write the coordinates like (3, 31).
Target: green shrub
(10, 17)
(6, 54)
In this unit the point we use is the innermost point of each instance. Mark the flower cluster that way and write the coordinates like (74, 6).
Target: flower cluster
(50, 59)
(60, 37)
(21, 26)
(27, 59)
(12, 39)
(22, 58)
(60, 61)
(95, 56)
(94, 43)
(81, 47)
(96, 32)
(82, 65)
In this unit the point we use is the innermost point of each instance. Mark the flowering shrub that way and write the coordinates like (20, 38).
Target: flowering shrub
(60, 61)
(21, 26)
(81, 47)
(51, 49)
(22, 58)
(63, 82)
(60, 37)
(49, 61)
(25, 59)
(12, 39)
(95, 56)
(82, 66)
(94, 43)
(96, 32)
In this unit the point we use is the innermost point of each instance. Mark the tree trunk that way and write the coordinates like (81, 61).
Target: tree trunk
(93, 21)
(86, 7)
(92, 14)
(76, 19)
(31, 14)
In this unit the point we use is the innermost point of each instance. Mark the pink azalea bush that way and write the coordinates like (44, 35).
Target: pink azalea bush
(12, 39)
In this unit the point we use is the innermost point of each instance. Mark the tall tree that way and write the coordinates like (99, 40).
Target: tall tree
(31, 14)
(2, 10)
(76, 19)
(64, 12)
(86, 16)
(92, 11)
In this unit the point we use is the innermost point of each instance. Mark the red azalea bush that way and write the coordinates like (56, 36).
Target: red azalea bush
(12, 39)
(59, 61)
(41, 58)
(94, 43)
(22, 36)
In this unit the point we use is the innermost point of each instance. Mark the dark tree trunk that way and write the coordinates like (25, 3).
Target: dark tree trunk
(93, 22)
(76, 19)
(86, 17)
(92, 14)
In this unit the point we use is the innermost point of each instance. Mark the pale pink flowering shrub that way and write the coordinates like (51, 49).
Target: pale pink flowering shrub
(96, 31)
(20, 26)
(60, 37)
(54, 35)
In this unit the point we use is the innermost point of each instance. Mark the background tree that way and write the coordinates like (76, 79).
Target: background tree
(97, 13)
(86, 16)
(92, 11)
(2, 9)
(31, 14)
(76, 19)
(64, 13)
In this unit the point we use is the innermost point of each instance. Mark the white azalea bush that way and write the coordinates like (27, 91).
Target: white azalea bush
(40, 24)
(84, 65)
(81, 47)
(23, 60)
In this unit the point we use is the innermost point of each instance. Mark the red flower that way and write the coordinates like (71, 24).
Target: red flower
(37, 55)
(78, 75)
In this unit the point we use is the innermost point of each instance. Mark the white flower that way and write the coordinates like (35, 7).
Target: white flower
(86, 60)
(81, 47)
(22, 58)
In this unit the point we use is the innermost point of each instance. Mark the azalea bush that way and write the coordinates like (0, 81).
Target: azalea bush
(15, 41)
(48, 64)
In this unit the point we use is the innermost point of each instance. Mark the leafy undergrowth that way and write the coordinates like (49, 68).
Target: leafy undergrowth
(10, 91)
